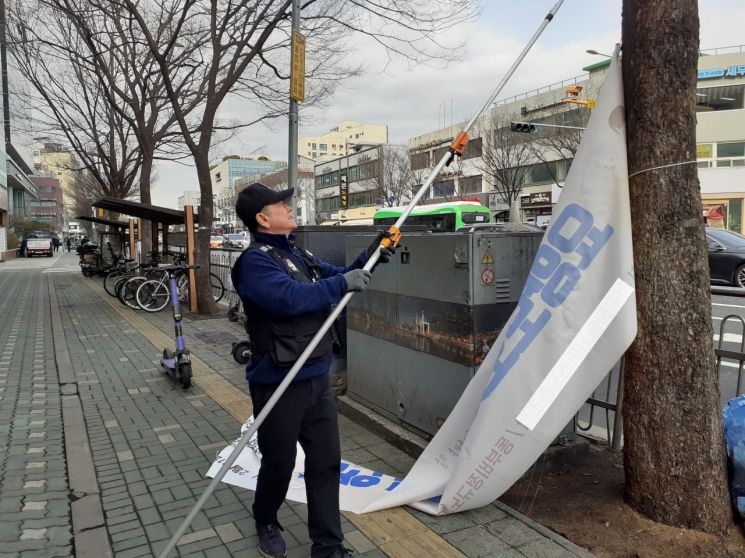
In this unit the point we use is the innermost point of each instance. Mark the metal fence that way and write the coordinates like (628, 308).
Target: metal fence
(221, 263)
(601, 416)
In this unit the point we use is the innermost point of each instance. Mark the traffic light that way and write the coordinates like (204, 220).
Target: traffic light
(523, 127)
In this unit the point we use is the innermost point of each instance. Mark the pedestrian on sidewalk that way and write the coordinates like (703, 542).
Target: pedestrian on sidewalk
(56, 243)
(68, 241)
(287, 294)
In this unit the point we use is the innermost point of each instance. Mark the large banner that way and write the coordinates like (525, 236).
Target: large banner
(574, 320)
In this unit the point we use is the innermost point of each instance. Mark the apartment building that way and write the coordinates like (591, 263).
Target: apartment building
(342, 140)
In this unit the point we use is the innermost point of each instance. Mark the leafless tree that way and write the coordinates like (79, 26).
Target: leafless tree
(246, 56)
(506, 156)
(70, 104)
(109, 47)
(395, 180)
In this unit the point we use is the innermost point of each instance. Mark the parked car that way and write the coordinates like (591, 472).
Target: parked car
(235, 240)
(39, 242)
(726, 257)
(216, 241)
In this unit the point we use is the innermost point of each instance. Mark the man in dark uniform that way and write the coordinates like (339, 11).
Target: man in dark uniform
(287, 295)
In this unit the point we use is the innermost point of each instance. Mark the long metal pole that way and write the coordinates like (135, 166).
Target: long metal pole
(294, 122)
(246, 437)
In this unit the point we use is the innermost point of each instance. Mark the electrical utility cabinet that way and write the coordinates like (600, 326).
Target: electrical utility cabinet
(418, 333)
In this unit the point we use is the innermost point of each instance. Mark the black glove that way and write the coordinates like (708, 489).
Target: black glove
(357, 280)
(385, 253)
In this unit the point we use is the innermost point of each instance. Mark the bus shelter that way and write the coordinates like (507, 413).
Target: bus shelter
(161, 218)
(116, 228)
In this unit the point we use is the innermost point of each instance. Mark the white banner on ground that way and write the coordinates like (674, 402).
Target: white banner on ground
(574, 320)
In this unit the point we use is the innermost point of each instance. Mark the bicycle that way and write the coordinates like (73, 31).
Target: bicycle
(154, 295)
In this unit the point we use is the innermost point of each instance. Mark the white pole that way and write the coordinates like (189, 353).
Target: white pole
(248, 434)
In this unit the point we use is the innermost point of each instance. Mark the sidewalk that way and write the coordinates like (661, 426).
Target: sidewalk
(102, 456)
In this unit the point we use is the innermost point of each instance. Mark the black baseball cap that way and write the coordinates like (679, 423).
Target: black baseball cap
(254, 197)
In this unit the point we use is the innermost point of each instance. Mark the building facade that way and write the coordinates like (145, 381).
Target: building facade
(224, 176)
(189, 197)
(369, 178)
(21, 190)
(304, 197)
(54, 160)
(49, 207)
(4, 203)
(342, 140)
(499, 162)
(720, 135)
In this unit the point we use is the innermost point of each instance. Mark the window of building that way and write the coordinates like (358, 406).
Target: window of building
(328, 204)
(731, 149)
(218, 178)
(439, 153)
(444, 188)
(313, 146)
(704, 150)
(362, 199)
(469, 184)
(728, 97)
(473, 149)
(322, 147)
(314, 154)
(333, 146)
(419, 161)
(550, 171)
(731, 154)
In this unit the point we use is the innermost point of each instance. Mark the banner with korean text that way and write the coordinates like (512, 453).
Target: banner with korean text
(574, 320)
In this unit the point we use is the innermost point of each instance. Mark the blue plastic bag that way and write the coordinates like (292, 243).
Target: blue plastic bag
(733, 418)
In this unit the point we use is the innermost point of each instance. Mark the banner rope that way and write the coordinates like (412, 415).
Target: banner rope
(663, 167)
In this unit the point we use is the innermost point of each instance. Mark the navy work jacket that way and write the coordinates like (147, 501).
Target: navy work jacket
(266, 287)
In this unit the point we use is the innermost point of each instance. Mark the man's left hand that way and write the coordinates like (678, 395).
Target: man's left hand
(385, 253)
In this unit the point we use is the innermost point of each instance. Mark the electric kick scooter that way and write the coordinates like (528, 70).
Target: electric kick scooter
(177, 364)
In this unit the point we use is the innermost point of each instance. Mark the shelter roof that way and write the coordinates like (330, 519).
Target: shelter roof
(102, 221)
(153, 213)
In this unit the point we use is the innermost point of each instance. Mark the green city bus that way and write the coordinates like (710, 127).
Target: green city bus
(440, 217)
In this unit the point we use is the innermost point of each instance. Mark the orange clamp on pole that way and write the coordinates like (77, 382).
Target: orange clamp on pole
(392, 239)
(458, 147)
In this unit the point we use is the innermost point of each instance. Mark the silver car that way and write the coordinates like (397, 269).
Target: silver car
(235, 241)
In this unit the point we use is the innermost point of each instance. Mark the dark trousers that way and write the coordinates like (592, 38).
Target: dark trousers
(305, 413)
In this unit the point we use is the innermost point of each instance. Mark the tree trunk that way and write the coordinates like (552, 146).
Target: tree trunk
(674, 457)
(205, 299)
(146, 170)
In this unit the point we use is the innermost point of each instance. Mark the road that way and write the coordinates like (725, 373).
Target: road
(61, 261)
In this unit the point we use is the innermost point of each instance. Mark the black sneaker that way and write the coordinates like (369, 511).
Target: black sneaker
(342, 552)
(271, 543)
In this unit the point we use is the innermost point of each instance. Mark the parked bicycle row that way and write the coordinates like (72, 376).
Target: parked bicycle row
(140, 286)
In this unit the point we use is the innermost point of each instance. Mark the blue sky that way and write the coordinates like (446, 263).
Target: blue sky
(409, 100)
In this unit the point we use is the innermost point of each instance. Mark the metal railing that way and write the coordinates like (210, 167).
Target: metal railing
(221, 263)
(736, 49)
(545, 89)
(607, 398)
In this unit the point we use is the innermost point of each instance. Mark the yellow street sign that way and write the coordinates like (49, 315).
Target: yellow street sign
(297, 70)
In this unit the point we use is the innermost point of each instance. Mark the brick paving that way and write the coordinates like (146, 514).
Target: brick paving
(151, 443)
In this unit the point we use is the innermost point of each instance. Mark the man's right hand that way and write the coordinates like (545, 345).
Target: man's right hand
(357, 280)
